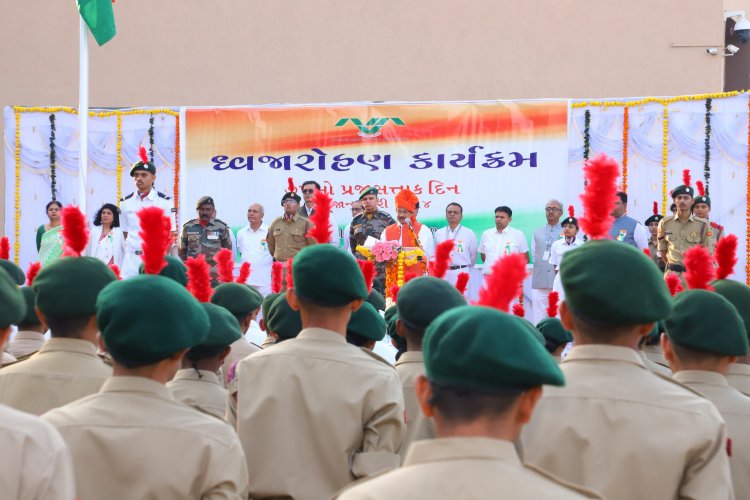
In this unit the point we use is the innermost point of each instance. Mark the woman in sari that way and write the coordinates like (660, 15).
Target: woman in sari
(105, 241)
(49, 236)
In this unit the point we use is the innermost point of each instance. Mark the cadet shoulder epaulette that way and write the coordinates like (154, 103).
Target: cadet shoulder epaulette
(717, 226)
(376, 357)
(127, 197)
(162, 195)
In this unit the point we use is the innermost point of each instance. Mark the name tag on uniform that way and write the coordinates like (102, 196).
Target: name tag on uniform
(459, 247)
(212, 236)
(545, 256)
(263, 245)
(622, 235)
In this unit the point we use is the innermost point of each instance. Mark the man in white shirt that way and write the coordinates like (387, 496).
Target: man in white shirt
(308, 208)
(252, 246)
(464, 253)
(501, 240)
(357, 209)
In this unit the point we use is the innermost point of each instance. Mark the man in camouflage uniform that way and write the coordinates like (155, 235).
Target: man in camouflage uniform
(701, 209)
(676, 233)
(371, 223)
(204, 235)
(287, 234)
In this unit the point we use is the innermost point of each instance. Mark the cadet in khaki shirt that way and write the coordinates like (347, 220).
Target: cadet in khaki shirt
(67, 367)
(705, 334)
(676, 233)
(480, 393)
(420, 301)
(338, 414)
(30, 335)
(35, 464)
(738, 373)
(591, 431)
(132, 440)
(287, 234)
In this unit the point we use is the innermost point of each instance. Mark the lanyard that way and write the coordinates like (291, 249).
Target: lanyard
(549, 237)
(448, 232)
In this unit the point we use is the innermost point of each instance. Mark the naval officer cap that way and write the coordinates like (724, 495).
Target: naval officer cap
(143, 165)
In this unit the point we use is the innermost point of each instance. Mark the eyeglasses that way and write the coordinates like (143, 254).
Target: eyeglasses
(289, 201)
(308, 191)
(553, 209)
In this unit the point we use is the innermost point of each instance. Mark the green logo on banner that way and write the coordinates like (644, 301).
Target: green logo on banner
(372, 127)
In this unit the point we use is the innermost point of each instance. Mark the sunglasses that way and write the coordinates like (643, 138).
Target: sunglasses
(308, 191)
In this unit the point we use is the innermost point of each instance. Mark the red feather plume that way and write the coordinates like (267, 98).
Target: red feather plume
(116, 270)
(518, 310)
(725, 255)
(4, 248)
(394, 292)
(156, 238)
(700, 188)
(462, 281)
(289, 275)
(225, 265)
(656, 208)
(143, 155)
(673, 284)
(244, 272)
(368, 271)
(32, 271)
(410, 275)
(699, 268)
(321, 219)
(75, 231)
(647, 251)
(599, 196)
(439, 266)
(686, 177)
(554, 300)
(199, 278)
(504, 284)
(277, 268)
(290, 185)
(571, 211)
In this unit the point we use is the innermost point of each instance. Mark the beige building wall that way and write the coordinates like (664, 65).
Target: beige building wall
(221, 52)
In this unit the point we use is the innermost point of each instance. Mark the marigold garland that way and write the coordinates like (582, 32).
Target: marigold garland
(707, 161)
(664, 160)
(119, 159)
(655, 100)
(625, 137)
(52, 157)
(17, 193)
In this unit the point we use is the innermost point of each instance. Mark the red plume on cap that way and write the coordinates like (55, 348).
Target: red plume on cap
(462, 281)
(290, 185)
(725, 255)
(656, 208)
(321, 219)
(368, 271)
(277, 268)
(394, 292)
(75, 231)
(673, 283)
(289, 275)
(199, 278)
(439, 266)
(699, 268)
(554, 300)
(115, 270)
(686, 177)
(4, 248)
(31, 272)
(156, 238)
(700, 188)
(225, 265)
(244, 272)
(143, 155)
(504, 284)
(518, 310)
(599, 196)
(571, 211)
(647, 252)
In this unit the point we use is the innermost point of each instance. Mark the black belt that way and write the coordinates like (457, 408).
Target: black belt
(453, 268)
(678, 268)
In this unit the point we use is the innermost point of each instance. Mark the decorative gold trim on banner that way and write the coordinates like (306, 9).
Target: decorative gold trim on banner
(97, 114)
(655, 100)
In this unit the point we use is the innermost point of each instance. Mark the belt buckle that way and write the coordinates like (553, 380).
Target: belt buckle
(139, 252)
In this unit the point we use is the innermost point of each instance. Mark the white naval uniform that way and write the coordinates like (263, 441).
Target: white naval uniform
(130, 223)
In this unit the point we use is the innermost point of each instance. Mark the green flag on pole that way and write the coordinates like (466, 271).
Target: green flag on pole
(99, 17)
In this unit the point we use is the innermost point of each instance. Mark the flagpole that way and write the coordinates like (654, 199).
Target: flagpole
(83, 114)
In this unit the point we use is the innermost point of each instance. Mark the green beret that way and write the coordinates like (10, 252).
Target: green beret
(391, 316)
(614, 284)
(266, 304)
(376, 300)
(553, 331)
(656, 330)
(12, 303)
(682, 189)
(290, 196)
(15, 272)
(702, 199)
(175, 270)
(239, 299)
(68, 287)
(224, 328)
(421, 300)
(367, 322)
(368, 190)
(282, 319)
(707, 322)
(145, 319)
(30, 298)
(485, 350)
(328, 276)
(654, 218)
(204, 200)
(739, 295)
(146, 167)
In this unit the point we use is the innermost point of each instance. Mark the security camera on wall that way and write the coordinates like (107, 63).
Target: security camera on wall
(741, 29)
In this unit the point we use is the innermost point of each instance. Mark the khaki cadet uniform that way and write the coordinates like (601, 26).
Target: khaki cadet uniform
(715, 233)
(198, 239)
(240, 350)
(653, 248)
(410, 366)
(62, 371)
(654, 359)
(488, 468)
(24, 344)
(113, 436)
(676, 237)
(738, 377)
(201, 390)
(610, 397)
(7, 359)
(735, 409)
(286, 236)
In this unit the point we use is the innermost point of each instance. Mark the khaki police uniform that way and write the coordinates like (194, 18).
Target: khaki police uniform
(336, 415)
(62, 371)
(197, 239)
(675, 237)
(204, 392)
(24, 344)
(410, 366)
(286, 237)
(35, 464)
(592, 431)
(464, 467)
(738, 377)
(132, 440)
